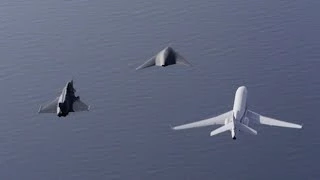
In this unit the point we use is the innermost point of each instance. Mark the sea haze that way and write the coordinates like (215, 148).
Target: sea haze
(272, 47)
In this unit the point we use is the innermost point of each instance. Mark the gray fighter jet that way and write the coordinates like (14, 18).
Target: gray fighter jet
(65, 103)
(166, 57)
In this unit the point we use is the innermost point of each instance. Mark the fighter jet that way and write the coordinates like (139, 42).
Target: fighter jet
(164, 58)
(64, 104)
(237, 120)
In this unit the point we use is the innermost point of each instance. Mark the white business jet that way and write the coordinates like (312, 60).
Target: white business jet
(238, 119)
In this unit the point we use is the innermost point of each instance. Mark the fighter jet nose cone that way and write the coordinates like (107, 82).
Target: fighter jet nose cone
(70, 84)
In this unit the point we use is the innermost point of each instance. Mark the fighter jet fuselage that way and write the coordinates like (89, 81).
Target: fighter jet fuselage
(66, 100)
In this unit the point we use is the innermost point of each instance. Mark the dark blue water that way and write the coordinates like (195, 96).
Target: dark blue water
(272, 47)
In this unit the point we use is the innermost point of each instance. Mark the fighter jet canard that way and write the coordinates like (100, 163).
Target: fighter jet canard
(64, 104)
(164, 58)
(237, 120)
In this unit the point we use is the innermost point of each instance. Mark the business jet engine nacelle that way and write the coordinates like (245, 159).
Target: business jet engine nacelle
(245, 121)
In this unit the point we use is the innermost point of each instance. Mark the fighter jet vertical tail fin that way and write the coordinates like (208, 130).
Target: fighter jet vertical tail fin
(71, 83)
(149, 63)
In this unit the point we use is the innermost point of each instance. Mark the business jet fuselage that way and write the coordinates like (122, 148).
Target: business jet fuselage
(239, 110)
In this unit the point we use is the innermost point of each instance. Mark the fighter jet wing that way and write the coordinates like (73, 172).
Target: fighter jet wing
(50, 107)
(78, 106)
(259, 119)
(220, 119)
(181, 60)
(149, 63)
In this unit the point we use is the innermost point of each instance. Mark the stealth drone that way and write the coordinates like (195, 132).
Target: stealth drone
(164, 58)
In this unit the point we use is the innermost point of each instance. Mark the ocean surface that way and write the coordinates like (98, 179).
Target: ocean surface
(272, 47)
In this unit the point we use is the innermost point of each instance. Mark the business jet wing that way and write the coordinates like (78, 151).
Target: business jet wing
(259, 119)
(149, 63)
(181, 60)
(50, 107)
(79, 106)
(220, 119)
